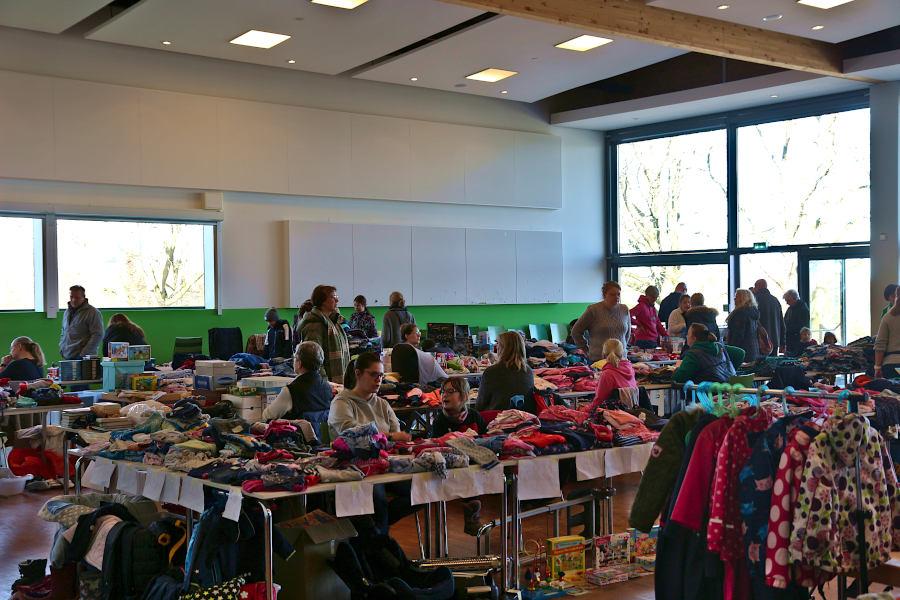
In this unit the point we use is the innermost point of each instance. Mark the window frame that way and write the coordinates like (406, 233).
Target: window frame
(730, 121)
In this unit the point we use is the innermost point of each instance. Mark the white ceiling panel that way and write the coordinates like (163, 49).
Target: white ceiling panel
(51, 16)
(854, 19)
(518, 45)
(324, 39)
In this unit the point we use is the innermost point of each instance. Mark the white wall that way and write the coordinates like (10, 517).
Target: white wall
(254, 253)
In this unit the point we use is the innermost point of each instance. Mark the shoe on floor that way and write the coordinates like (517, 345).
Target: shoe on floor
(472, 517)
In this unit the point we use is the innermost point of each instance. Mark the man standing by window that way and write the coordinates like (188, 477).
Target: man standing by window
(795, 319)
(82, 327)
(770, 315)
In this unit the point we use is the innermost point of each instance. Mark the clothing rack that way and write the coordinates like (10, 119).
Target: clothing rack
(853, 399)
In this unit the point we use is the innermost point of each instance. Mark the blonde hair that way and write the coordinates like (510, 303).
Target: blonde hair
(32, 347)
(512, 350)
(613, 351)
(743, 297)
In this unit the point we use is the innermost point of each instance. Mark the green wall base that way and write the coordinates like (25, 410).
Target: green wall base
(163, 326)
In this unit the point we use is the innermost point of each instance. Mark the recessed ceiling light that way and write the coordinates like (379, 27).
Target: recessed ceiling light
(348, 4)
(817, 27)
(583, 43)
(291, 61)
(491, 75)
(505, 92)
(259, 39)
(777, 17)
(459, 85)
(773, 96)
(723, 6)
(166, 43)
(413, 78)
(826, 4)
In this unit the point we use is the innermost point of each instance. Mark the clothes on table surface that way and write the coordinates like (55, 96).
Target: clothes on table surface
(477, 454)
(838, 359)
(601, 323)
(362, 441)
(649, 327)
(347, 410)
(512, 420)
(500, 383)
(558, 412)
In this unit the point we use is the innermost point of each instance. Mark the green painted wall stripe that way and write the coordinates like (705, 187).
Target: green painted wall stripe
(163, 326)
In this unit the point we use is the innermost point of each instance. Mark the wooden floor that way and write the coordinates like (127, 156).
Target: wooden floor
(23, 535)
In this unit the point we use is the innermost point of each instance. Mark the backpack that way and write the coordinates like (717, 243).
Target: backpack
(765, 342)
(132, 558)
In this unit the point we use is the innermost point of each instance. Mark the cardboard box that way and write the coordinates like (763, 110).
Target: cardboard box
(565, 555)
(608, 575)
(242, 402)
(144, 383)
(221, 373)
(646, 562)
(614, 549)
(118, 350)
(306, 574)
(270, 384)
(642, 543)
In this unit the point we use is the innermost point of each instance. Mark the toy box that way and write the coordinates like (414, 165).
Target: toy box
(565, 556)
(144, 383)
(118, 350)
(647, 562)
(221, 374)
(608, 575)
(614, 549)
(642, 543)
(138, 352)
(116, 374)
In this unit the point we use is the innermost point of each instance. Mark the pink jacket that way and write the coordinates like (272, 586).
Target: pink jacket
(611, 379)
(644, 315)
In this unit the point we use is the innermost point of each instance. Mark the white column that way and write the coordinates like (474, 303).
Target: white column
(884, 102)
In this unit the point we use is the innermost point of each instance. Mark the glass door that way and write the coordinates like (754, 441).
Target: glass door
(839, 298)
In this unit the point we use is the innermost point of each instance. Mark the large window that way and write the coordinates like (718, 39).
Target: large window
(804, 181)
(672, 193)
(22, 269)
(710, 280)
(125, 264)
(780, 193)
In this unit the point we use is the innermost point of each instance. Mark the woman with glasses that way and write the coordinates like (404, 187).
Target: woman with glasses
(362, 405)
(455, 414)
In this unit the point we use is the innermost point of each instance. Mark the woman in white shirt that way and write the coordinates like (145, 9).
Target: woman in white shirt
(425, 364)
(676, 326)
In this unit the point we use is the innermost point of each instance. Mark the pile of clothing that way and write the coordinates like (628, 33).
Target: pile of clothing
(543, 353)
(409, 394)
(570, 379)
(853, 358)
(656, 375)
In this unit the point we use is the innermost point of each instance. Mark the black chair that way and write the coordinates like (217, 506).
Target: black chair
(405, 361)
(225, 342)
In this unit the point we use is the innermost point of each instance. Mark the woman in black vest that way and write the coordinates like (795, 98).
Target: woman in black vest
(309, 396)
(707, 359)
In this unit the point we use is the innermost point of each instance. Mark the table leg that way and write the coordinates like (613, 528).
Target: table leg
(78, 467)
(428, 525)
(504, 533)
(516, 530)
(67, 445)
(270, 562)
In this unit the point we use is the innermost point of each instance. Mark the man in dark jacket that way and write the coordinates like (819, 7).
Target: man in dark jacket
(671, 301)
(279, 337)
(770, 315)
(82, 327)
(796, 317)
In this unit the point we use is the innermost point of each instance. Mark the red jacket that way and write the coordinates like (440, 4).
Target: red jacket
(644, 315)
(611, 379)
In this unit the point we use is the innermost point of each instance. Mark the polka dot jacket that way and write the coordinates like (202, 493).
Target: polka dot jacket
(824, 531)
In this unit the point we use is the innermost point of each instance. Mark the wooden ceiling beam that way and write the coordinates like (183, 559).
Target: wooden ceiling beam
(635, 20)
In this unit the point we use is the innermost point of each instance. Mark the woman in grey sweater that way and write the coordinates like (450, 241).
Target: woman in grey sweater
(887, 343)
(606, 319)
(396, 317)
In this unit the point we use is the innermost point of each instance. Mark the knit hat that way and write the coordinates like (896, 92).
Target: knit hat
(271, 314)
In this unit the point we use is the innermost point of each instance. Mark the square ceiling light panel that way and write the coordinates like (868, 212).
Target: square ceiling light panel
(324, 39)
(845, 21)
(825, 4)
(514, 44)
(491, 75)
(348, 4)
(260, 39)
(51, 16)
(583, 43)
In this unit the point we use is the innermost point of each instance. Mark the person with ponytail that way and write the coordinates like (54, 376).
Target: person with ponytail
(616, 373)
(25, 361)
(706, 358)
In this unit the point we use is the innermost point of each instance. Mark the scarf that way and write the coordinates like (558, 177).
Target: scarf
(337, 350)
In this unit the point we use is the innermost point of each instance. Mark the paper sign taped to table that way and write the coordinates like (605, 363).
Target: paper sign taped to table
(629, 459)
(460, 483)
(191, 496)
(539, 478)
(172, 489)
(590, 465)
(153, 487)
(128, 481)
(98, 474)
(233, 505)
(353, 498)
